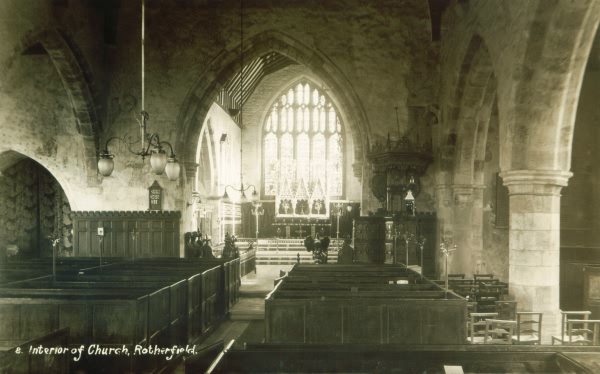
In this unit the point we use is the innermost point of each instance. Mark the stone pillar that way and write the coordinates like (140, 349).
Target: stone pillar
(534, 242)
(467, 228)
(444, 217)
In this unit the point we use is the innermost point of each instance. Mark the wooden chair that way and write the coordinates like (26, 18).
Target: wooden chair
(476, 326)
(499, 331)
(482, 277)
(506, 309)
(465, 290)
(581, 329)
(486, 301)
(564, 337)
(456, 276)
(491, 287)
(529, 328)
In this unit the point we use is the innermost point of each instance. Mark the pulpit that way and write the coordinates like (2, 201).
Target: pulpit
(382, 239)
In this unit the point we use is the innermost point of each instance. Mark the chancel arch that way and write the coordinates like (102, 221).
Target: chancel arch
(223, 69)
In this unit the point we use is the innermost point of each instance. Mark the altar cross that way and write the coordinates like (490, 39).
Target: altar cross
(300, 231)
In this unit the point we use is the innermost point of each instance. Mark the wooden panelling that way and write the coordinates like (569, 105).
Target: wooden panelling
(591, 290)
(157, 234)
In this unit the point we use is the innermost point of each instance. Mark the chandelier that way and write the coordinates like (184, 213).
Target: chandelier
(151, 145)
(241, 190)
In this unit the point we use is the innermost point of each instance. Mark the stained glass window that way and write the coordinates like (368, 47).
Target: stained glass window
(303, 145)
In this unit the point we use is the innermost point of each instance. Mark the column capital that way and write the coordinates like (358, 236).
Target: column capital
(463, 193)
(535, 182)
(190, 169)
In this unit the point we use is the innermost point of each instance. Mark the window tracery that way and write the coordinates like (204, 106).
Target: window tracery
(303, 152)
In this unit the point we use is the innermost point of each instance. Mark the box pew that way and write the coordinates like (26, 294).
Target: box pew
(230, 273)
(109, 317)
(205, 291)
(177, 301)
(247, 262)
(292, 286)
(24, 363)
(34, 268)
(337, 358)
(362, 308)
(364, 294)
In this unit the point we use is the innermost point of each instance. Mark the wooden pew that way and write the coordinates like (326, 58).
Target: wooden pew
(24, 363)
(359, 305)
(335, 358)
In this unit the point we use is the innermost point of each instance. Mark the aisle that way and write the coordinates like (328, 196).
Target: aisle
(246, 319)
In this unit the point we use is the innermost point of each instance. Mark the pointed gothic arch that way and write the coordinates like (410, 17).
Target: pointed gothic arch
(224, 67)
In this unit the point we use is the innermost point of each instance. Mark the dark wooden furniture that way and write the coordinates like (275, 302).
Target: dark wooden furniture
(146, 302)
(486, 300)
(506, 309)
(134, 234)
(482, 277)
(378, 240)
(357, 304)
(339, 358)
(591, 290)
(18, 363)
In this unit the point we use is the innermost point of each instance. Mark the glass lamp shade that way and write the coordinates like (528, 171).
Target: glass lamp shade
(409, 196)
(106, 164)
(254, 196)
(158, 161)
(349, 207)
(226, 198)
(243, 198)
(172, 169)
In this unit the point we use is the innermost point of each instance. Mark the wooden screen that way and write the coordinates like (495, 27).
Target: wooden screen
(127, 234)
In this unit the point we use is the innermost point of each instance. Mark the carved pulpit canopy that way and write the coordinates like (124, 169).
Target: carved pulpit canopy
(397, 168)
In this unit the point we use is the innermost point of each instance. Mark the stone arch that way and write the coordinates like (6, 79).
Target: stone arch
(476, 94)
(77, 81)
(11, 157)
(548, 85)
(206, 159)
(226, 65)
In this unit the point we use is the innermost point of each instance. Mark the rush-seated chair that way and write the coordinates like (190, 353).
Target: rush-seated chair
(575, 334)
(499, 331)
(529, 328)
(476, 326)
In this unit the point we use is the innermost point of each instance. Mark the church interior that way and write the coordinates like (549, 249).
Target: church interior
(339, 186)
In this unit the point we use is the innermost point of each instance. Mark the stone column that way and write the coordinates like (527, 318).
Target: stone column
(534, 242)
(444, 217)
(467, 228)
